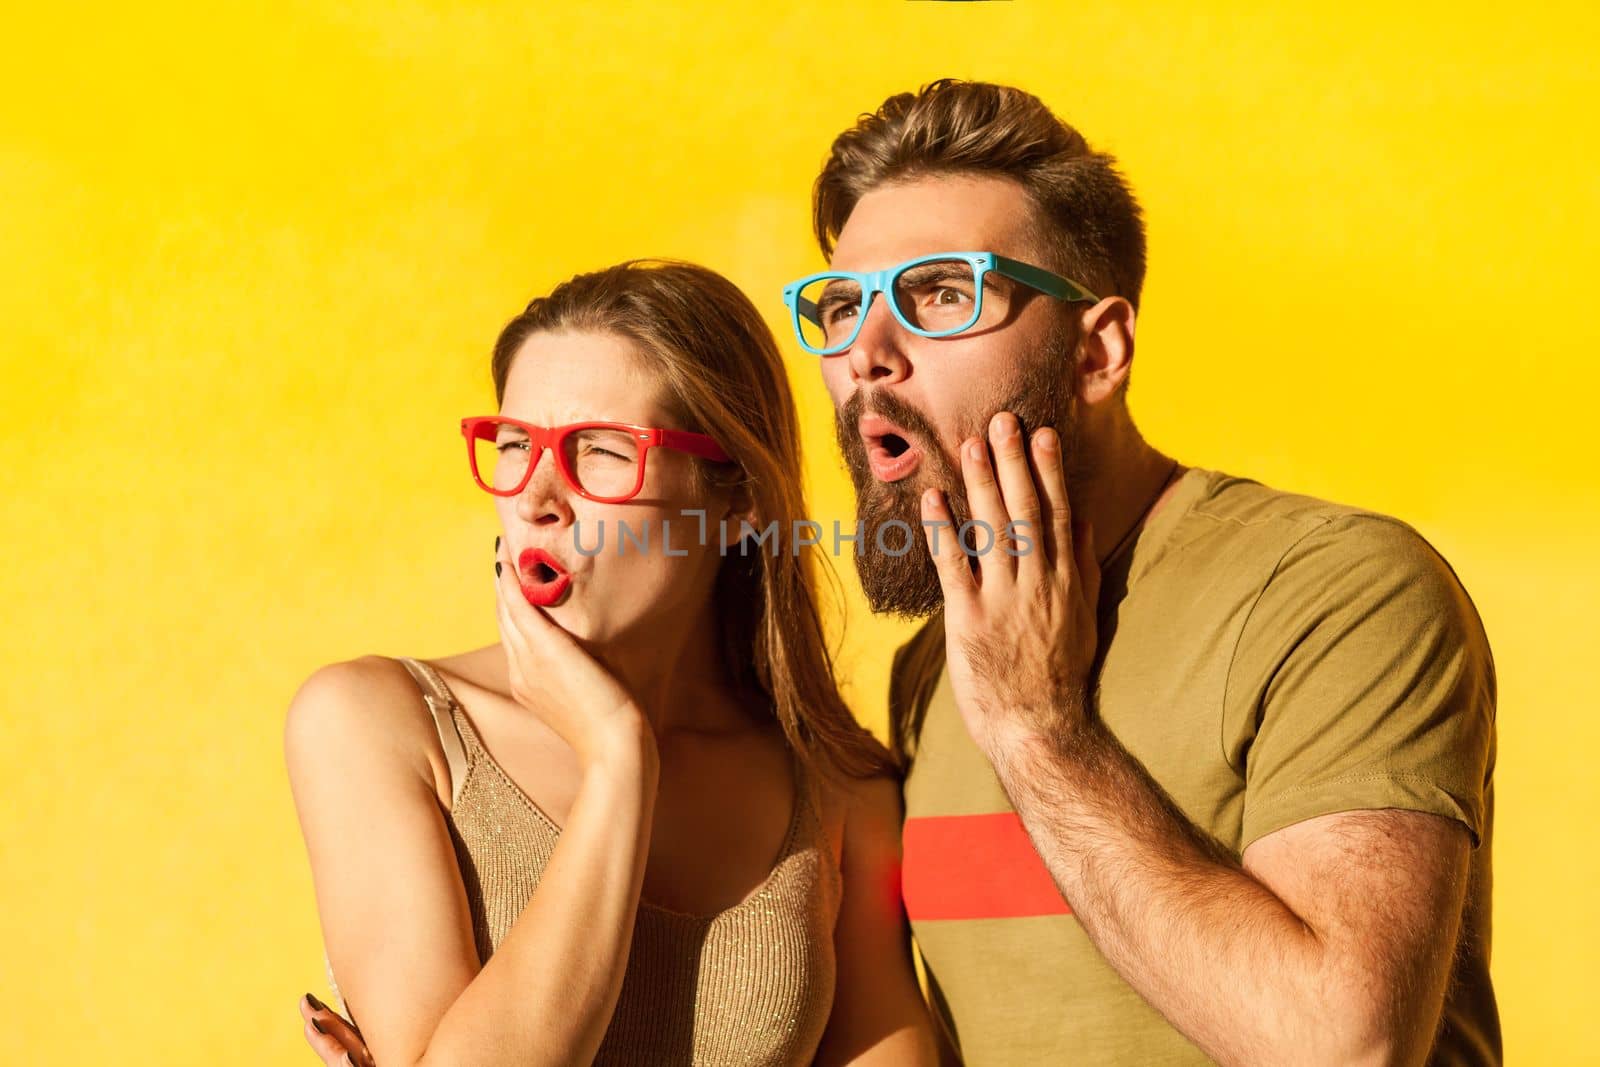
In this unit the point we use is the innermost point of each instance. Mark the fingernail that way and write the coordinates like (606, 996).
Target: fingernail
(317, 1027)
(497, 542)
(1047, 439)
(315, 1003)
(1003, 425)
(975, 449)
(497, 568)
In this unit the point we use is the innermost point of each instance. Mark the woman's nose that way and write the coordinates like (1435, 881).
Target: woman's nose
(544, 499)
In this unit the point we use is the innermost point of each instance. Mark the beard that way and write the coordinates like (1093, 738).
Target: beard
(907, 585)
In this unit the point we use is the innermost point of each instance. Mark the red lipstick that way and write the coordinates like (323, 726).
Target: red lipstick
(544, 579)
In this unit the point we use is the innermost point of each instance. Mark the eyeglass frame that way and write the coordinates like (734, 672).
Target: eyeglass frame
(873, 282)
(542, 438)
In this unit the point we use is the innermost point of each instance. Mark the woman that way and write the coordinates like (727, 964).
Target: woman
(559, 848)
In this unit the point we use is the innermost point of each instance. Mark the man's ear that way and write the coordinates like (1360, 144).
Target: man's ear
(1105, 349)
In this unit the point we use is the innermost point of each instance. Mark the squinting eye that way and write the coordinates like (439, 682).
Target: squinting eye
(503, 445)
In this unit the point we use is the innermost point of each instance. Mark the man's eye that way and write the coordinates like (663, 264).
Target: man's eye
(836, 310)
(503, 445)
(946, 295)
(595, 450)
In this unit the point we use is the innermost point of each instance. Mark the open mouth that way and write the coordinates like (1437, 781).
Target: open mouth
(544, 579)
(890, 453)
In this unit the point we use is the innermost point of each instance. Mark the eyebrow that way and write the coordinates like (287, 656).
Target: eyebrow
(928, 272)
(507, 427)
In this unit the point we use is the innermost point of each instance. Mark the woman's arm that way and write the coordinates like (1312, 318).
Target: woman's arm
(878, 1013)
(393, 906)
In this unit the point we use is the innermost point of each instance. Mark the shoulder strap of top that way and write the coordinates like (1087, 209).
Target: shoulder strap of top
(809, 826)
(807, 787)
(440, 701)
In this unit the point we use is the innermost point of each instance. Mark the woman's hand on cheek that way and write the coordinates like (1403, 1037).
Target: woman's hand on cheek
(553, 675)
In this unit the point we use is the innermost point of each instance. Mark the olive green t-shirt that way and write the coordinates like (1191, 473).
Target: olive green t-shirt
(1268, 658)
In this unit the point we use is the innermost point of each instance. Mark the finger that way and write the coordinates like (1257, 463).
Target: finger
(510, 635)
(508, 584)
(1046, 460)
(328, 1033)
(330, 1021)
(328, 1050)
(520, 621)
(514, 637)
(1057, 506)
(983, 494)
(1019, 495)
(950, 560)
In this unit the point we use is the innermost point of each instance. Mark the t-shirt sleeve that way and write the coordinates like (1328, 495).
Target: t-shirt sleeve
(1365, 675)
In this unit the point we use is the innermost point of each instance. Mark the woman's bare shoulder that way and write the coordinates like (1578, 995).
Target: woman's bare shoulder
(863, 808)
(862, 817)
(367, 708)
(875, 799)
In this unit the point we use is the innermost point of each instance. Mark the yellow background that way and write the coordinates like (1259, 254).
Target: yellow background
(248, 255)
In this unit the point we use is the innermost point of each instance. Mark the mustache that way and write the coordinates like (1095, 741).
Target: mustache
(940, 467)
(889, 406)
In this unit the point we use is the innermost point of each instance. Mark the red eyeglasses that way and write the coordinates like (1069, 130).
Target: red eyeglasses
(603, 461)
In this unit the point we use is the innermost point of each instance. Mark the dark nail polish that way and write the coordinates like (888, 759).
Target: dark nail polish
(497, 542)
(317, 1027)
(315, 1003)
(497, 568)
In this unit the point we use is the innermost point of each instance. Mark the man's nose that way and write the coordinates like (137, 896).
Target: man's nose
(878, 355)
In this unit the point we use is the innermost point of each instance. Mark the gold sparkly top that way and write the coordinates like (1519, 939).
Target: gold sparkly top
(749, 985)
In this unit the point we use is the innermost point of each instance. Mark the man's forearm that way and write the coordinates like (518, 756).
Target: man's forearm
(1211, 948)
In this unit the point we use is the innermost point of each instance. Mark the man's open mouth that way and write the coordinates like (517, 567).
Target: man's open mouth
(890, 453)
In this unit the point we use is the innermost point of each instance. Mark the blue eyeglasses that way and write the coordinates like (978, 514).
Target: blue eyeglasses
(932, 296)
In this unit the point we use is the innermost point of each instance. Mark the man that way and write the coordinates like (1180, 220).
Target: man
(1198, 770)
(1207, 773)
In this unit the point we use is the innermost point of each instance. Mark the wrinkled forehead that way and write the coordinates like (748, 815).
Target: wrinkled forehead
(952, 213)
(559, 378)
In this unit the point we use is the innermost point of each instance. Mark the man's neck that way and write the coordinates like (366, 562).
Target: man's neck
(1117, 491)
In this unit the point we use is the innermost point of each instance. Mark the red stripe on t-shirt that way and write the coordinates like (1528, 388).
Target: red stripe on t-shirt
(975, 867)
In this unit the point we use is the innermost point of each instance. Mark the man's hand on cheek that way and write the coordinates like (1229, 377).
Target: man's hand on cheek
(1020, 625)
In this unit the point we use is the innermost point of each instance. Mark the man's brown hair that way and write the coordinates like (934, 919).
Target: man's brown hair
(1091, 224)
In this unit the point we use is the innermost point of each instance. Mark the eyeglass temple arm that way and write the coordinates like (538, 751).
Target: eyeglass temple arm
(1044, 281)
(809, 309)
(695, 444)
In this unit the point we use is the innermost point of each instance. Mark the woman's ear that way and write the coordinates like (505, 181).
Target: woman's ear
(740, 510)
